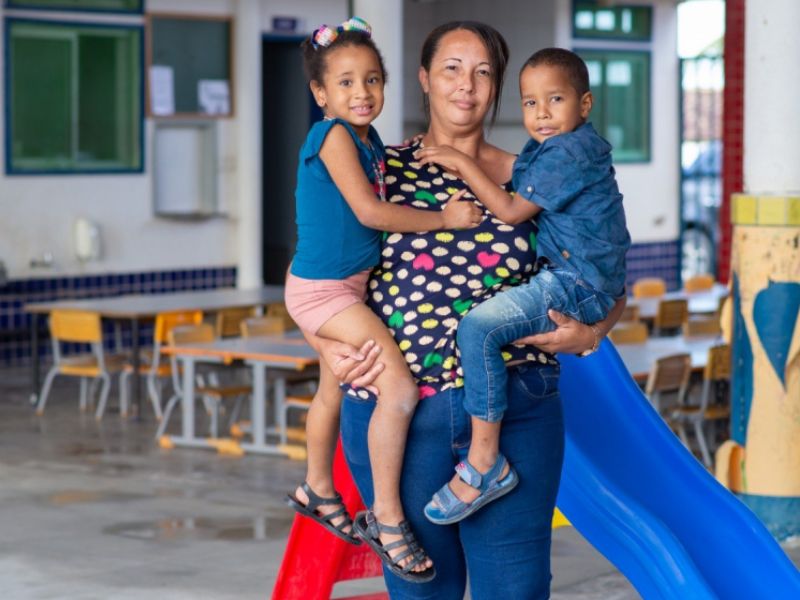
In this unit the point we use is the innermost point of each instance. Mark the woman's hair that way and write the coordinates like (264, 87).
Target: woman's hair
(315, 62)
(568, 62)
(495, 45)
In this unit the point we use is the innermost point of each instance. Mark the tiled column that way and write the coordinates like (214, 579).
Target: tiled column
(766, 271)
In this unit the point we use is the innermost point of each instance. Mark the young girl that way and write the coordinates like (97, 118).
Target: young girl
(341, 211)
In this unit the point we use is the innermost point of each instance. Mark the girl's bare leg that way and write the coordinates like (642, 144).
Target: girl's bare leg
(389, 424)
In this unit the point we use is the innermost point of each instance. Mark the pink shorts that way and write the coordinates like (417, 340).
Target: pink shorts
(311, 302)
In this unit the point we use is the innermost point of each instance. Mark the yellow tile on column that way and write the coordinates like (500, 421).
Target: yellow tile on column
(771, 210)
(793, 211)
(744, 209)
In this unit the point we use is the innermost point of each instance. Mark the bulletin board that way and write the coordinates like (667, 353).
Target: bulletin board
(190, 72)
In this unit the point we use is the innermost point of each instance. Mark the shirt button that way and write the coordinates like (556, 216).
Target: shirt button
(565, 253)
(529, 189)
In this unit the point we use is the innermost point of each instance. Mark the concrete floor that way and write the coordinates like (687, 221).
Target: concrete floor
(98, 511)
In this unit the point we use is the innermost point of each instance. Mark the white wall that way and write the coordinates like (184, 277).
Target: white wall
(37, 212)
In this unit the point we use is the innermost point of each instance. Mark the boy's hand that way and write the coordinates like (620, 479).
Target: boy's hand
(445, 156)
(460, 215)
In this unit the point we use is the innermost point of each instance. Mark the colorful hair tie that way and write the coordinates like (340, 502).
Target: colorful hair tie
(356, 24)
(323, 37)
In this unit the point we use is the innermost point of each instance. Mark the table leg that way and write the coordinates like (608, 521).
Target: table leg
(258, 415)
(280, 407)
(36, 383)
(137, 380)
(187, 399)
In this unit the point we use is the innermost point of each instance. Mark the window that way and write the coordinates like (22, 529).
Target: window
(75, 97)
(620, 83)
(130, 6)
(590, 20)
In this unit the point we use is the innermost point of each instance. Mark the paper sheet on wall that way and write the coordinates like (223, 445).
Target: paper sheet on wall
(162, 90)
(213, 96)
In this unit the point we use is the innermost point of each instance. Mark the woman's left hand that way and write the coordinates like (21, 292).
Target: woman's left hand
(571, 336)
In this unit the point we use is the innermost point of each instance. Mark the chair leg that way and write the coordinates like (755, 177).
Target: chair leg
(236, 411)
(123, 393)
(84, 394)
(701, 440)
(153, 390)
(681, 426)
(101, 405)
(48, 383)
(171, 404)
(213, 425)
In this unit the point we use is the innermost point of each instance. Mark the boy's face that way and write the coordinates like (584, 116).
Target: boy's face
(550, 105)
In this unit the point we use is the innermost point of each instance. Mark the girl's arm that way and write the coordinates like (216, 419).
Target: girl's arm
(340, 157)
(509, 208)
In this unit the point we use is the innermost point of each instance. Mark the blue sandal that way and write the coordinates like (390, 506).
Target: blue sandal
(445, 508)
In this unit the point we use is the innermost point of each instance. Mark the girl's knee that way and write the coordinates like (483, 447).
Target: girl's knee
(401, 397)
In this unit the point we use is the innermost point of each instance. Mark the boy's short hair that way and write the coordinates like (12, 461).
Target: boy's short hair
(569, 62)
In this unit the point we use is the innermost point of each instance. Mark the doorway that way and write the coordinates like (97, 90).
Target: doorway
(288, 110)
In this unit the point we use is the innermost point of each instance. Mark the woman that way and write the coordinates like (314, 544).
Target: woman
(425, 284)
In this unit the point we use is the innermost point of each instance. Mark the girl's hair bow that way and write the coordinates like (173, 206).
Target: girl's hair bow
(324, 36)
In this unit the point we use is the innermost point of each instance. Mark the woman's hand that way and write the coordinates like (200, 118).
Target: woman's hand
(357, 366)
(571, 336)
(460, 215)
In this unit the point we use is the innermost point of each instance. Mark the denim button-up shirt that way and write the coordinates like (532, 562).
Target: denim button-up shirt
(582, 224)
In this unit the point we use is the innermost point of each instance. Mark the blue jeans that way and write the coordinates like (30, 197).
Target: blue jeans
(511, 315)
(505, 546)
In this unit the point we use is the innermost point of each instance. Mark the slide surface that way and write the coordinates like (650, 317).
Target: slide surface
(634, 491)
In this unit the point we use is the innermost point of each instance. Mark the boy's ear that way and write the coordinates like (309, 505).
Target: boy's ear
(587, 100)
(319, 94)
(423, 79)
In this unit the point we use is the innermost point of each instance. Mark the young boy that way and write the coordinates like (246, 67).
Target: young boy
(565, 178)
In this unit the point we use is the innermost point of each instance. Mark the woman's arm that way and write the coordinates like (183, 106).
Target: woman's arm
(573, 337)
(509, 208)
(340, 157)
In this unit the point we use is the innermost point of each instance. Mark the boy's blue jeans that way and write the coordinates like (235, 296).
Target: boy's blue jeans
(509, 316)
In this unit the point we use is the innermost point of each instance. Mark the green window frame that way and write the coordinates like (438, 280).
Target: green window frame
(75, 97)
(118, 6)
(620, 83)
(618, 22)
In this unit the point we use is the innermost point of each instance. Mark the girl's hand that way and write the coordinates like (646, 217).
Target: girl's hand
(356, 366)
(571, 336)
(445, 156)
(461, 215)
(413, 140)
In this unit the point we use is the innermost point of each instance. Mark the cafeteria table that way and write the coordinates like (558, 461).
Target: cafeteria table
(144, 307)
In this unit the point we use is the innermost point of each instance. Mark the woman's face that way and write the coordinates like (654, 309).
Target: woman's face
(459, 83)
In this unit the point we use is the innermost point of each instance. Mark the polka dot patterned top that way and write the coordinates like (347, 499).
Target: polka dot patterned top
(426, 282)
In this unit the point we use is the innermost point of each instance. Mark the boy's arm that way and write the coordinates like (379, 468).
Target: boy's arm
(509, 208)
(339, 154)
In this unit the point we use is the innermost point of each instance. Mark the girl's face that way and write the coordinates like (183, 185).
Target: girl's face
(352, 87)
(459, 83)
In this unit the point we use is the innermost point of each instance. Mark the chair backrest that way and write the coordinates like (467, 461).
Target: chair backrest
(76, 326)
(191, 334)
(699, 283)
(699, 326)
(278, 310)
(669, 374)
(649, 287)
(228, 321)
(167, 321)
(631, 313)
(634, 332)
(671, 314)
(718, 364)
(259, 326)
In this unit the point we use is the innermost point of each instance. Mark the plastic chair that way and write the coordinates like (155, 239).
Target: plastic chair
(228, 320)
(634, 332)
(278, 310)
(630, 313)
(671, 314)
(649, 287)
(699, 283)
(701, 326)
(669, 374)
(260, 326)
(156, 367)
(717, 369)
(212, 395)
(83, 328)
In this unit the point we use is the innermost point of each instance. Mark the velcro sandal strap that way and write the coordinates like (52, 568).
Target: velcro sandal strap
(469, 475)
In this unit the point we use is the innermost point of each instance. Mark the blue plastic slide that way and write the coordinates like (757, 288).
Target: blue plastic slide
(648, 505)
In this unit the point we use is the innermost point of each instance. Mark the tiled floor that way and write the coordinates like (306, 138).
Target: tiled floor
(98, 511)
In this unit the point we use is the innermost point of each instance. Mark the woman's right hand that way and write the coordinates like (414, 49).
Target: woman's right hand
(357, 366)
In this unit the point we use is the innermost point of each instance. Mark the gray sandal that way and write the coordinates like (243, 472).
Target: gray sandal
(368, 528)
(310, 510)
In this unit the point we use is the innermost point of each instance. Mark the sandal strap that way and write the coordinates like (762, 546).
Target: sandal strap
(409, 542)
(480, 481)
(315, 500)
